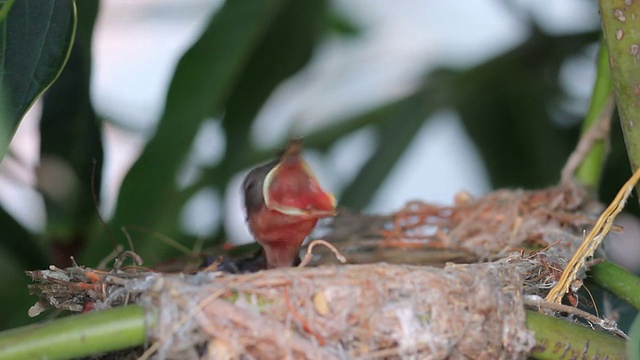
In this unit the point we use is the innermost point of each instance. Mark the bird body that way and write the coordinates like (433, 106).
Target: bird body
(281, 235)
(283, 202)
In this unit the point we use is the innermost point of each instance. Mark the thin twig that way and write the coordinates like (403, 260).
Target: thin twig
(111, 256)
(606, 324)
(597, 132)
(162, 237)
(259, 328)
(309, 254)
(305, 324)
(96, 206)
(592, 240)
(153, 348)
(123, 256)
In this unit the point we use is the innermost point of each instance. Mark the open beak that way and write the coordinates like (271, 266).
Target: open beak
(292, 189)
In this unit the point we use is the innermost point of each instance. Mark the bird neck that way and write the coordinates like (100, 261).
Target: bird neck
(281, 255)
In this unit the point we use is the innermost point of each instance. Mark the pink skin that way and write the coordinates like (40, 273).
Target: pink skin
(296, 202)
(280, 235)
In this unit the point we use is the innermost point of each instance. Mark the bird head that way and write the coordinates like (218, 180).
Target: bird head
(288, 186)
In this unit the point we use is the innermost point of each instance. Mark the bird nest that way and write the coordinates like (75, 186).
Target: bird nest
(401, 295)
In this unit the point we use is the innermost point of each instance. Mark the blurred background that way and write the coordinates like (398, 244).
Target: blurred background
(398, 100)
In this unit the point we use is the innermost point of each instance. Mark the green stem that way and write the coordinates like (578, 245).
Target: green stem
(618, 281)
(620, 24)
(590, 169)
(77, 335)
(559, 339)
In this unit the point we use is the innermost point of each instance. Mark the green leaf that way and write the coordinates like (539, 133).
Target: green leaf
(14, 296)
(6, 124)
(324, 137)
(499, 99)
(342, 25)
(203, 81)
(508, 104)
(590, 170)
(285, 48)
(319, 139)
(35, 39)
(403, 121)
(71, 145)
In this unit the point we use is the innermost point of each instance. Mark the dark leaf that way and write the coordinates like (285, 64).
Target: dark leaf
(397, 132)
(22, 245)
(285, 48)
(508, 104)
(35, 39)
(14, 296)
(71, 145)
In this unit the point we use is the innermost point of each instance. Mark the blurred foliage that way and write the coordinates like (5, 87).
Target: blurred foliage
(512, 106)
(35, 41)
(602, 103)
(230, 70)
(71, 148)
(34, 45)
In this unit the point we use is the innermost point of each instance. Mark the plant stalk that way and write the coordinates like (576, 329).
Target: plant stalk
(77, 335)
(618, 281)
(590, 170)
(620, 20)
(559, 339)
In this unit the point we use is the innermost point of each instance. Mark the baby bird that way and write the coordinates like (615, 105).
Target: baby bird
(283, 202)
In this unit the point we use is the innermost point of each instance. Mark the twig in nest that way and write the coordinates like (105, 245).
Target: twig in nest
(123, 256)
(155, 346)
(595, 133)
(309, 254)
(413, 215)
(305, 324)
(592, 240)
(254, 328)
(606, 324)
(112, 255)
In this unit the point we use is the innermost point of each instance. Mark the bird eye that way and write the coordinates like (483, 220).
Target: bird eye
(249, 185)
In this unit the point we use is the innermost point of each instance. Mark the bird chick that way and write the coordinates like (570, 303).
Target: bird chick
(283, 202)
